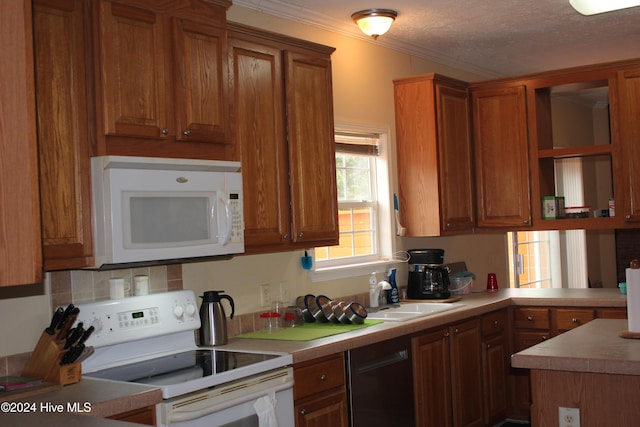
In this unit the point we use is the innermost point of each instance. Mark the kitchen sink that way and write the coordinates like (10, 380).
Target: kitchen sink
(410, 311)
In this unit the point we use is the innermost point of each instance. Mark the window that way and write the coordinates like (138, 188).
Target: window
(363, 204)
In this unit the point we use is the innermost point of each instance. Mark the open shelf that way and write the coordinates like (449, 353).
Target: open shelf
(585, 151)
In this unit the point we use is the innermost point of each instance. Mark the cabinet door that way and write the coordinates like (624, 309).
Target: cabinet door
(132, 73)
(323, 411)
(258, 129)
(432, 380)
(63, 134)
(312, 164)
(20, 247)
(501, 156)
(456, 166)
(629, 87)
(495, 361)
(200, 81)
(466, 374)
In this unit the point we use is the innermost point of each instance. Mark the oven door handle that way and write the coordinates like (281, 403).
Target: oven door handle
(192, 415)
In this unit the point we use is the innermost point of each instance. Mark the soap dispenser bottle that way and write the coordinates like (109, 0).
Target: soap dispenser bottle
(373, 291)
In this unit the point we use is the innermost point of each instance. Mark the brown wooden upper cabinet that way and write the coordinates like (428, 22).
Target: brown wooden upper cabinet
(435, 166)
(282, 123)
(501, 156)
(62, 88)
(629, 93)
(20, 254)
(161, 78)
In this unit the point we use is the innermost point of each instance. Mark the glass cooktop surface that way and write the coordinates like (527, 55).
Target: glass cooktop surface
(182, 367)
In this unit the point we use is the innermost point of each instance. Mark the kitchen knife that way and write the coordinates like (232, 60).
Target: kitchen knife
(55, 321)
(86, 335)
(74, 335)
(88, 351)
(67, 323)
(72, 354)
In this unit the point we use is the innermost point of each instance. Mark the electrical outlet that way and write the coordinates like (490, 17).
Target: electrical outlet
(265, 296)
(284, 292)
(568, 417)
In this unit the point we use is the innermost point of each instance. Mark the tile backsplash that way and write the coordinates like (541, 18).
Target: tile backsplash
(83, 286)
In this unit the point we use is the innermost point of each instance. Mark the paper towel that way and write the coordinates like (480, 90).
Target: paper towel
(633, 299)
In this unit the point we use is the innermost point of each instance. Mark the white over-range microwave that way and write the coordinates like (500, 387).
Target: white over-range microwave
(155, 210)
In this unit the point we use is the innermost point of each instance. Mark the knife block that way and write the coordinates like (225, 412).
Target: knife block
(44, 363)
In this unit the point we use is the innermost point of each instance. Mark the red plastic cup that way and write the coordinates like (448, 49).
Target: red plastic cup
(492, 282)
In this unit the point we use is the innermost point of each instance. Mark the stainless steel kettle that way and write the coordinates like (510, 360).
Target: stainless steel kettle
(213, 321)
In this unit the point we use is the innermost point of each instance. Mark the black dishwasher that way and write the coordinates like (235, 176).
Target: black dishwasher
(380, 382)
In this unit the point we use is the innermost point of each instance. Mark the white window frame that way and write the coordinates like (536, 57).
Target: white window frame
(364, 265)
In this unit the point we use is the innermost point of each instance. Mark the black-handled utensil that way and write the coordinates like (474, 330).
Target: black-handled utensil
(72, 354)
(86, 335)
(55, 321)
(74, 335)
(67, 322)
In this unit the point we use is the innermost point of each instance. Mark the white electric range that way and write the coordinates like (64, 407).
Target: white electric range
(151, 340)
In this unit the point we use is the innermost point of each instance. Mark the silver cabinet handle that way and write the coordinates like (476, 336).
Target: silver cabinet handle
(303, 412)
(530, 319)
(574, 320)
(323, 377)
(165, 131)
(285, 237)
(187, 132)
(300, 235)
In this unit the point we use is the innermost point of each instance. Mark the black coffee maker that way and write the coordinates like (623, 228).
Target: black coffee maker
(428, 276)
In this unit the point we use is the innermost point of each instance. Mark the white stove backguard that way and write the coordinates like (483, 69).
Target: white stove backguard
(137, 328)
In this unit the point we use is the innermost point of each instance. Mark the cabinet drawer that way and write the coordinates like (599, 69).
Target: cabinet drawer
(572, 318)
(318, 376)
(611, 313)
(524, 340)
(494, 323)
(531, 318)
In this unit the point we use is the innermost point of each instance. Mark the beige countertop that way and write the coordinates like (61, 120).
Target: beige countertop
(471, 305)
(595, 347)
(86, 403)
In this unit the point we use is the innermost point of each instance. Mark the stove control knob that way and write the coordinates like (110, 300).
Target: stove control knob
(191, 310)
(96, 323)
(178, 311)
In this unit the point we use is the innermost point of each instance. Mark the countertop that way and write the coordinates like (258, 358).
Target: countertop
(471, 305)
(595, 347)
(85, 403)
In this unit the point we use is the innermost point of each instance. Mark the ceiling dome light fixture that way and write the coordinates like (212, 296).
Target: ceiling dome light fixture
(593, 7)
(374, 22)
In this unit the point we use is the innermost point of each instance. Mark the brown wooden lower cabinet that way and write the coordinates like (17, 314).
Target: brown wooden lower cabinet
(146, 415)
(447, 375)
(320, 393)
(495, 365)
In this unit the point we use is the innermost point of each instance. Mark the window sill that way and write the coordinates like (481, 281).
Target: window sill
(353, 270)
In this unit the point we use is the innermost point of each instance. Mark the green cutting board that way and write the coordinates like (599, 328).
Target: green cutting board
(308, 331)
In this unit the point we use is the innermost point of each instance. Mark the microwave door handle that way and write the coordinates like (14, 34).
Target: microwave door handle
(226, 202)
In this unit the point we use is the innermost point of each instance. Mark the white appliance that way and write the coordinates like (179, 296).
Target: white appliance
(151, 340)
(153, 210)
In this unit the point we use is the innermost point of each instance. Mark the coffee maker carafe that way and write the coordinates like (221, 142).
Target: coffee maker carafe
(428, 276)
(213, 321)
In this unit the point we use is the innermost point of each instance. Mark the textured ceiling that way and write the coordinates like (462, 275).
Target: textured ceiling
(492, 38)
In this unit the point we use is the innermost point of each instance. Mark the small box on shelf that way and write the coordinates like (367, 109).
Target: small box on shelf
(553, 207)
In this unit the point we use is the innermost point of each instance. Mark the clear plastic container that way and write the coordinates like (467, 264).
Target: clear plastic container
(460, 285)
(270, 322)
